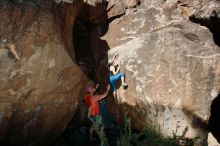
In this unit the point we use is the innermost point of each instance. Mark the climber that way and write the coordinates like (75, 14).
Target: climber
(93, 110)
(115, 74)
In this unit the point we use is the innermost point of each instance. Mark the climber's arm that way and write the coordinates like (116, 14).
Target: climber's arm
(96, 87)
(118, 69)
(100, 97)
(115, 72)
(89, 111)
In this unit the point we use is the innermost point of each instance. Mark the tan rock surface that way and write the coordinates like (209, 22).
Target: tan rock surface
(171, 74)
(171, 65)
(212, 141)
(39, 92)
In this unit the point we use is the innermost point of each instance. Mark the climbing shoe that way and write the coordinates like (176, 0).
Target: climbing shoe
(125, 86)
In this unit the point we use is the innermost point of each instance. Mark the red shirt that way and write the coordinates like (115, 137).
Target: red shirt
(92, 101)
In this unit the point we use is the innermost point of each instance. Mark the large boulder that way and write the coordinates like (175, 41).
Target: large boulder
(39, 90)
(173, 75)
(171, 65)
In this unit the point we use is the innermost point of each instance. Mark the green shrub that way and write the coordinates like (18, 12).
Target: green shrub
(151, 137)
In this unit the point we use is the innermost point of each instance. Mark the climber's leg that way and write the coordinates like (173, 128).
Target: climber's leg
(113, 85)
(114, 90)
(91, 134)
(101, 134)
(113, 80)
(115, 94)
(121, 76)
(123, 79)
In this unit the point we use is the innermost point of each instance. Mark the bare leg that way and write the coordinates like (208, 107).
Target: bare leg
(101, 135)
(123, 81)
(91, 134)
(114, 94)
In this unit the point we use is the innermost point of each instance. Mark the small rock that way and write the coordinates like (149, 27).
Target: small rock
(51, 63)
(11, 92)
(131, 3)
(13, 73)
(116, 10)
(67, 1)
(4, 40)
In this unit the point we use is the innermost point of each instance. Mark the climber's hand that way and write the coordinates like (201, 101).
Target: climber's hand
(119, 65)
(115, 56)
(108, 87)
(97, 85)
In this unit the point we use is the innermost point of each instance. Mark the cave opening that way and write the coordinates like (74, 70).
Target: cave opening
(90, 50)
(83, 51)
(212, 23)
(214, 119)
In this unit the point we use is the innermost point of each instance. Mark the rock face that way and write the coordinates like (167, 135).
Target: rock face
(214, 119)
(39, 92)
(172, 67)
(209, 16)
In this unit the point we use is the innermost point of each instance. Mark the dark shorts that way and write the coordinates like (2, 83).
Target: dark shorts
(96, 122)
(96, 119)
